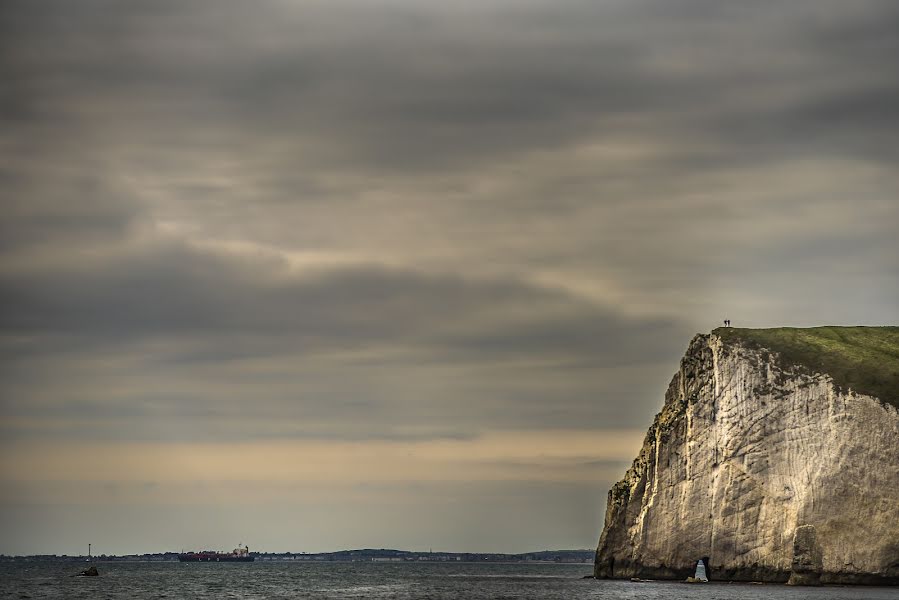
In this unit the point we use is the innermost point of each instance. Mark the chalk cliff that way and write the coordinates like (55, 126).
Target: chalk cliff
(771, 459)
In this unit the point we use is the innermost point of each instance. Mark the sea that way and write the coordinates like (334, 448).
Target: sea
(373, 581)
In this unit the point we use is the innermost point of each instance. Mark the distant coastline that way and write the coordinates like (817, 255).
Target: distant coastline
(363, 555)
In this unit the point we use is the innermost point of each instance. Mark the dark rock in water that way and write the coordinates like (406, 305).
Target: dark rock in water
(807, 558)
(91, 572)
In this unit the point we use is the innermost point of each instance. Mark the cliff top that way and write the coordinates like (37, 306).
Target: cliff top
(863, 359)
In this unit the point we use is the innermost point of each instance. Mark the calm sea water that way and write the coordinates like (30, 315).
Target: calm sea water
(371, 581)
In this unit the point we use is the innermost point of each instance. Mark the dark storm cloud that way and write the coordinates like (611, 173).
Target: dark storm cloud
(174, 290)
(50, 207)
(161, 341)
(391, 86)
(416, 86)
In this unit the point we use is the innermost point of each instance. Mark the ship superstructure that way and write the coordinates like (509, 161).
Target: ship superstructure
(239, 554)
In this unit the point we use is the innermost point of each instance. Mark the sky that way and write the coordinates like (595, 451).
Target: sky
(313, 275)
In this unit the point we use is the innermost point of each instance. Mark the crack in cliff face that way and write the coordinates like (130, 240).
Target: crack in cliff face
(766, 450)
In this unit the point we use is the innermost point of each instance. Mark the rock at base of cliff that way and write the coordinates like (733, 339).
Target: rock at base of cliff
(807, 557)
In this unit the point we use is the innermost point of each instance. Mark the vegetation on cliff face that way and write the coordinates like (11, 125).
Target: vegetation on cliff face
(863, 359)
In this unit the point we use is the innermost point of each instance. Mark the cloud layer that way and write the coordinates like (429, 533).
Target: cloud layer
(411, 223)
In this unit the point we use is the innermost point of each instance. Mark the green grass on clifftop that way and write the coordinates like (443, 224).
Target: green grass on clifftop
(863, 359)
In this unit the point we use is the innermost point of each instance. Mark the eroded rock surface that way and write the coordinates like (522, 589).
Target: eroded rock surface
(807, 563)
(745, 454)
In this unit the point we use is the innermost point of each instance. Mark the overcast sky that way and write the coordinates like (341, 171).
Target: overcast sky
(322, 275)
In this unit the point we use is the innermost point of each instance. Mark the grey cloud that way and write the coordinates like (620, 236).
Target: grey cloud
(410, 86)
(516, 213)
(67, 210)
(167, 334)
(170, 289)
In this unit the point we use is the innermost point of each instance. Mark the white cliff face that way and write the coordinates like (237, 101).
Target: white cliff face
(742, 455)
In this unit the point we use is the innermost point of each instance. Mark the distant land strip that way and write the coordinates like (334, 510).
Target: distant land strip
(366, 555)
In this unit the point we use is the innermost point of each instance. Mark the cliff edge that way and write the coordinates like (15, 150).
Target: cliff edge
(775, 458)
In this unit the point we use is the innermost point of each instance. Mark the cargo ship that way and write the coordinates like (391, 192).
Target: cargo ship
(237, 555)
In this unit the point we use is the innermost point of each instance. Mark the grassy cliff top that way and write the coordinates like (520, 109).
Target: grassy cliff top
(863, 359)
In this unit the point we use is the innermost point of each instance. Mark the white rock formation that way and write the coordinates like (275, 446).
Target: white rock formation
(743, 454)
